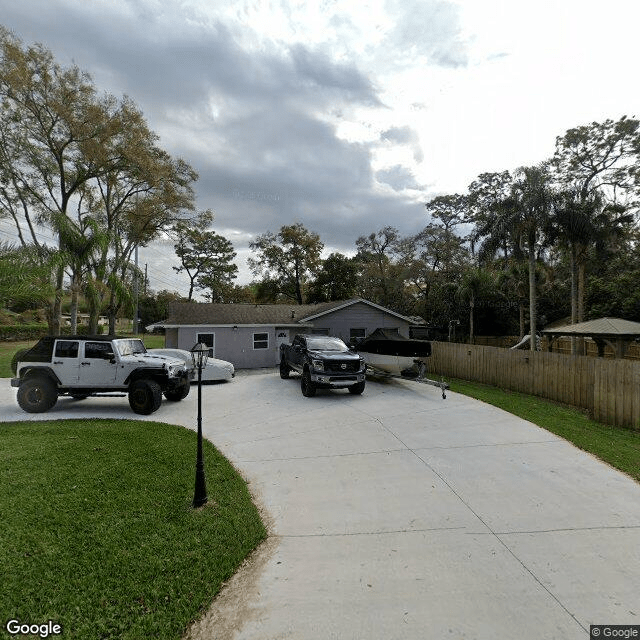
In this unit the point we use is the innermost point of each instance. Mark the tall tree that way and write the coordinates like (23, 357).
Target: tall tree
(287, 258)
(62, 146)
(205, 256)
(595, 165)
(382, 276)
(431, 259)
(476, 284)
(336, 279)
(524, 214)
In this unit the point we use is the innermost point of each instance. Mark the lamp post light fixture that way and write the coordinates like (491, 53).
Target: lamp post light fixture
(200, 355)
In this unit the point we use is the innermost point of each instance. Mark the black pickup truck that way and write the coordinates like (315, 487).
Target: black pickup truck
(324, 363)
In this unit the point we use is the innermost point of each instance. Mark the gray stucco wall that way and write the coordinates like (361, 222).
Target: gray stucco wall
(359, 316)
(242, 346)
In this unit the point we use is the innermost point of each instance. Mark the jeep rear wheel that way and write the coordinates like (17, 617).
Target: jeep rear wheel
(307, 387)
(145, 396)
(37, 395)
(179, 393)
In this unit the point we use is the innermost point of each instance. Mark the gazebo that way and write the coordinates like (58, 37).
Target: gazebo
(615, 332)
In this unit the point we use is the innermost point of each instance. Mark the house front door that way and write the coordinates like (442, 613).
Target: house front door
(282, 337)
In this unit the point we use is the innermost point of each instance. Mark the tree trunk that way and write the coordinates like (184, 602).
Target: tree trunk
(54, 318)
(581, 348)
(574, 295)
(73, 312)
(532, 294)
(471, 337)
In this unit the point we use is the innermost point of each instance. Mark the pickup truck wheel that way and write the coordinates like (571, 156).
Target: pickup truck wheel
(284, 370)
(145, 396)
(179, 393)
(37, 395)
(357, 389)
(307, 387)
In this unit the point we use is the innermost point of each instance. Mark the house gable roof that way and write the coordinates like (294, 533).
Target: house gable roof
(200, 313)
(347, 303)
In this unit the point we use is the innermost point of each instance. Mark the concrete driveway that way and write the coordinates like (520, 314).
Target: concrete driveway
(399, 515)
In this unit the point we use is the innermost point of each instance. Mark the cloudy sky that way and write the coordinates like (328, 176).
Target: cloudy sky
(346, 117)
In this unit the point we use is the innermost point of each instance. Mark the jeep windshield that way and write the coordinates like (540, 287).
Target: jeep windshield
(326, 344)
(129, 347)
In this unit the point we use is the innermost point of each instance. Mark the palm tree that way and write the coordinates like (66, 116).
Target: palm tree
(476, 283)
(581, 221)
(523, 217)
(514, 279)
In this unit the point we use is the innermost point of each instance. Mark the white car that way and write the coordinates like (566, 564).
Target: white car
(215, 370)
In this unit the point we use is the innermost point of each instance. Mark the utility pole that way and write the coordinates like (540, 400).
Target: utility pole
(135, 295)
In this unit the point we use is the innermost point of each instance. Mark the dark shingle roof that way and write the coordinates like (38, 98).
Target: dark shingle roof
(185, 313)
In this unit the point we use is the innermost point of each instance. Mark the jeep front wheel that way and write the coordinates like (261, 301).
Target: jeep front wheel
(179, 393)
(145, 396)
(37, 395)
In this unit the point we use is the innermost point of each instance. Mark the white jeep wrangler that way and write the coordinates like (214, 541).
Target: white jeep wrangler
(83, 366)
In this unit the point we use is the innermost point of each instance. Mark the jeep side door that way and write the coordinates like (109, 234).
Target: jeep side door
(98, 365)
(65, 363)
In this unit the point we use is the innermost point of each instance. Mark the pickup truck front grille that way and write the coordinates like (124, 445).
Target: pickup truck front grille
(344, 366)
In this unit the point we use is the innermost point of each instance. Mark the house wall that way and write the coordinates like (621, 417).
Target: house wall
(359, 316)
(236, 345)
(171, 339)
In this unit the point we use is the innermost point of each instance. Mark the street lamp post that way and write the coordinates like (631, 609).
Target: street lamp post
(200, 355)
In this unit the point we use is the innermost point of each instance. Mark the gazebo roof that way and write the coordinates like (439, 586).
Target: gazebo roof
(602, 327)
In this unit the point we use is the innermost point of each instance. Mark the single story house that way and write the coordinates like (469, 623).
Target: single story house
(250, 335)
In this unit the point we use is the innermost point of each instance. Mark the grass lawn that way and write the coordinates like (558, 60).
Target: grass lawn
(617, 446)
(98, 533)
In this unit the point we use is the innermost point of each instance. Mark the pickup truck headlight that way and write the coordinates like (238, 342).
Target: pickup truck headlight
(318, 365)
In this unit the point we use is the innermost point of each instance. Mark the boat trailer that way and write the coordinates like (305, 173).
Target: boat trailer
(420, 377)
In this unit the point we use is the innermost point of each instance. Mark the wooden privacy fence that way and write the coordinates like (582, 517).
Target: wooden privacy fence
(608, 389)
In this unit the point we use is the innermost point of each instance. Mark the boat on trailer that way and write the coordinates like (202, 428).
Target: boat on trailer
(392, 355)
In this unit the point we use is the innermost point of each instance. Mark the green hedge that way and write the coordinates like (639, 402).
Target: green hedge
(34, 331)
(15, 332)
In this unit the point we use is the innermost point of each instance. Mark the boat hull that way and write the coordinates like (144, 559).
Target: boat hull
(394, 365)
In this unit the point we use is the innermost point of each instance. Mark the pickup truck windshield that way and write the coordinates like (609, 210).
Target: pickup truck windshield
(326, 344)
(129, 347)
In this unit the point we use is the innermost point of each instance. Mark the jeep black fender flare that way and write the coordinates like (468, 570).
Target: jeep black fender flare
(46, 372)
(150, 373)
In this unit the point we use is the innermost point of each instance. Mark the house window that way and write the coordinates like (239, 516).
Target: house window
(320, 332)
(210, 340)
(355, 335)
(260, 340)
